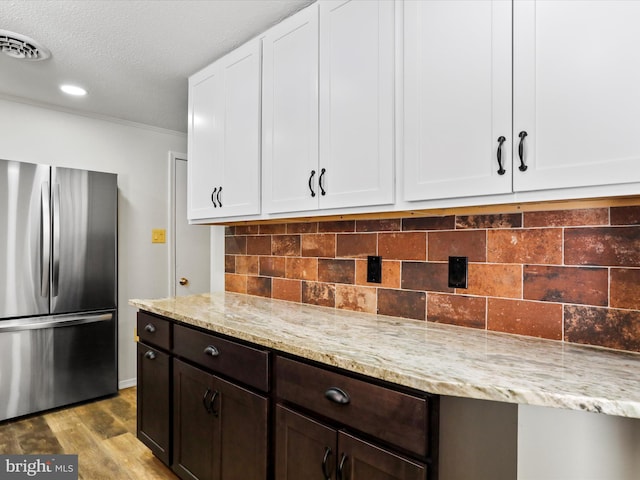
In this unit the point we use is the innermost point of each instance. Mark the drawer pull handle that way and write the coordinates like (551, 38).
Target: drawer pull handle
(337, 395)
(313, 172)
(211, 350)
(205, 404)
(320, 184)
(501, 140)
(325, 471)
(522, 136)
(212, 409)
(341, 475)
(150, 355)
(149, 327)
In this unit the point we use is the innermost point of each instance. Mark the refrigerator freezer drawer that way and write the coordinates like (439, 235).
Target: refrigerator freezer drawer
(56, 361)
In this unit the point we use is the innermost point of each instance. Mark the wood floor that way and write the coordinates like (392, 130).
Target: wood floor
(102, 433)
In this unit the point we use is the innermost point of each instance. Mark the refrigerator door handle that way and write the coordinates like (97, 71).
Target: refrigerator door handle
(45, 239)
(56, 241)
(38, 323)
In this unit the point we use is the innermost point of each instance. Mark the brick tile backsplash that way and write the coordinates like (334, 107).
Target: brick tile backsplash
(570, 275)
(605, 246)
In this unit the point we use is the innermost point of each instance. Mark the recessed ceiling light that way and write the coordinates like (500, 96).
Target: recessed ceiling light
(73, 90)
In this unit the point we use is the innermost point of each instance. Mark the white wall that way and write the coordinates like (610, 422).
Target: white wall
(139, 156)
(556, 444)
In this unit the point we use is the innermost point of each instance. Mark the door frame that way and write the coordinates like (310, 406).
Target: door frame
(216, 267)
(171, 225)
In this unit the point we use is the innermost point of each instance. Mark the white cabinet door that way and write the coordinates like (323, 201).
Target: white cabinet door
(577, 92)
(290, 114)
(206, 105)
(224, 136)
(356, 103)
(457, 98)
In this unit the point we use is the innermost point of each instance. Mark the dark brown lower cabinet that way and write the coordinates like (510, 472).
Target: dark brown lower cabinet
(153, 401)
(307, 449)
(220, 429)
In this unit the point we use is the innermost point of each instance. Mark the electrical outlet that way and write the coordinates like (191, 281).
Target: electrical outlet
(458, 272)
(374, 269)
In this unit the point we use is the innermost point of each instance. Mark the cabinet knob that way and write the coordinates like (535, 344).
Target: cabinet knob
(150, 355)
(149, 327)
(184, 281)
(212, 351)
(337, 395)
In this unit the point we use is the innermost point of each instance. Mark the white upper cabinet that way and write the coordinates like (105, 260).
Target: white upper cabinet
(577, 93)
(224, 136)
(290, 114)
(357, 51)
(328, 101)
(457, 98)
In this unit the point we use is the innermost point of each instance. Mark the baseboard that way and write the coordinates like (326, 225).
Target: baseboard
(130, 382)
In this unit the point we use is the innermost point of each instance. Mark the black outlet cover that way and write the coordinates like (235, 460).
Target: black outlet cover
(374, 269)
(458, 272)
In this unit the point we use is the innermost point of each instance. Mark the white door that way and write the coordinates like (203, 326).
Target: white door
(576, 92)
(290, 114)
(457, 98)
(356, 103)
(191, 242)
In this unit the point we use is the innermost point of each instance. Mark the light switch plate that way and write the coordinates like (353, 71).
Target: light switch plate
(158, 235)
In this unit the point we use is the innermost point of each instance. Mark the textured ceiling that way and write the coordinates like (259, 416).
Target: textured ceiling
(133, 56)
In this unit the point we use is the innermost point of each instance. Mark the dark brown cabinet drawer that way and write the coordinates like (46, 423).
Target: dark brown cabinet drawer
(240, 362)
(154, 330)
(389, 415)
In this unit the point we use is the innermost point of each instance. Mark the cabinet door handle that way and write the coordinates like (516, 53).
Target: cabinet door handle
(212, 409)
(207, 405)
(213, 197)
(501, 140)
(522, 166)
(212, 351)
(325, 467)
(218, 197)
(322, 172)
(340, 475)
(337, 395)
(149, 327)
(313, 173)
(150, 355)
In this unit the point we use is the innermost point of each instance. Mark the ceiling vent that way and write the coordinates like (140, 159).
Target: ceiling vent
(22, 47)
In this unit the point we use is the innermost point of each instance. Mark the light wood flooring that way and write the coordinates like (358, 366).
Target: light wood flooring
(102, 433)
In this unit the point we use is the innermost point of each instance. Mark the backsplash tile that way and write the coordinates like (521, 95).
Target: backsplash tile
(403, 245)
(570, 275)
(606, 246)
(582, 285)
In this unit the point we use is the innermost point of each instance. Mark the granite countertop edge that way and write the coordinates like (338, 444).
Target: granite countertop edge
(433, 358)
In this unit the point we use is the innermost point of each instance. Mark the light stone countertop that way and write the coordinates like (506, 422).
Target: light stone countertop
(434, 358)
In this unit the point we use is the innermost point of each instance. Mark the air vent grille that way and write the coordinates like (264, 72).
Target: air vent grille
(22, 47)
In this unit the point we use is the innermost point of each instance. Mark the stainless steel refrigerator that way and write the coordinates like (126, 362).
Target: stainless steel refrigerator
(58, 286)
